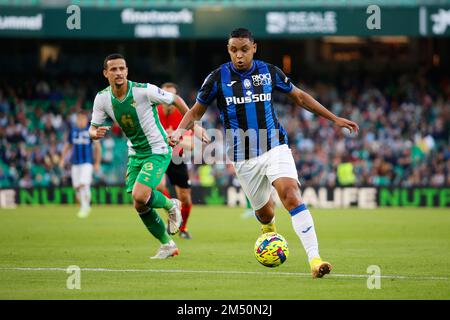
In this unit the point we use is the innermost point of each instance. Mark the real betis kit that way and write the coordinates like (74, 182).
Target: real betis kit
(137, 115)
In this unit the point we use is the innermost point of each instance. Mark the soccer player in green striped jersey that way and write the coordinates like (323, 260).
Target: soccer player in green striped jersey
(134, 107)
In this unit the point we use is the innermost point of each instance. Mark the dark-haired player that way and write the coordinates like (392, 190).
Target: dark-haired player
(133, 106)
(256, 141)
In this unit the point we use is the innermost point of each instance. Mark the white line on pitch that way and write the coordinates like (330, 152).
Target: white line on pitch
(298, 274)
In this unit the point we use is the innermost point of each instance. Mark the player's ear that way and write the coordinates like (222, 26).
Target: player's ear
(254, 47)
(105, 73)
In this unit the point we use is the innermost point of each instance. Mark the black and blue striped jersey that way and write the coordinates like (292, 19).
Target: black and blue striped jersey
(82, 145)
(245, 102)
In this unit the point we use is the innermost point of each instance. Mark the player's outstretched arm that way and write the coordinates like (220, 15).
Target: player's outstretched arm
(97, 132)
(306, 101)
(180, 104)
(188, 121)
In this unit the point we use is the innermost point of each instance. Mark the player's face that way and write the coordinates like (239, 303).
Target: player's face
(169, 108)
(116, 72)
(82, 121)
(241, 52)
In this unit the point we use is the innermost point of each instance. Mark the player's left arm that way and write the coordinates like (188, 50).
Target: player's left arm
(307, 102)
(97, 155)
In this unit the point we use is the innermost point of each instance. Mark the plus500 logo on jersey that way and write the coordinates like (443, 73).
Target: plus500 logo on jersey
(248, 99)
(82, 138)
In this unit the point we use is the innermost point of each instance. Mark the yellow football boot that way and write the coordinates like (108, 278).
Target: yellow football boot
(319, 268)
(269, 227)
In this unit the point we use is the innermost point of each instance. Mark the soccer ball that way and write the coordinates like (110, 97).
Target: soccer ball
(271, 249)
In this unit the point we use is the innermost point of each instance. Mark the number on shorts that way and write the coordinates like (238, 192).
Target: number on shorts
(148, 166)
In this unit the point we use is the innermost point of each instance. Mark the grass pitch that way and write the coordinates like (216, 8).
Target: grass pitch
(112, 247)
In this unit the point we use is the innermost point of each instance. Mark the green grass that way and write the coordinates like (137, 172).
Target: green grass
(411, 246)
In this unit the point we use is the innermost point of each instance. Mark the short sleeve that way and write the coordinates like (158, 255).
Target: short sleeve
(156, 95)
(99, 115)
(282, 82)
(208, 91)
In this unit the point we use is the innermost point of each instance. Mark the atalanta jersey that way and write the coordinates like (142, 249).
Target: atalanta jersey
(82, 145)
(245, 103)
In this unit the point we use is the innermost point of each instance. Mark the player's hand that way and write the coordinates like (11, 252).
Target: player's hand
(97, 167)
(205, 137)
(101, 132)
(200, 133)
(61, 164)
(345, 123)
(174, 138)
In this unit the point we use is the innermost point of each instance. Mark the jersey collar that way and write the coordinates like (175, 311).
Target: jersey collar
(243, 73)
(126, 96)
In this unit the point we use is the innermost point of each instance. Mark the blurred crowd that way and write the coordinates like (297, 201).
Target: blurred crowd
(403, 139)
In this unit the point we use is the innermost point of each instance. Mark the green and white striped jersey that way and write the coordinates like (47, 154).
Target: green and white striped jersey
(137, 116)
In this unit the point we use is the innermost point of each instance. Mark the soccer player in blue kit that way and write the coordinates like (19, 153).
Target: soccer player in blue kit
(86, 156)
(256, 141)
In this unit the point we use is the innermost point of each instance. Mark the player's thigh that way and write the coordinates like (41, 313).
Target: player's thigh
(133, 169)
(86, 174)
(162, 184)
(281, 164)
(153, 169)
(254, 182)
(76, 175)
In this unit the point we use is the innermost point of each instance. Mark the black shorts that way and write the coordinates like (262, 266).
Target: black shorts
(178, 175)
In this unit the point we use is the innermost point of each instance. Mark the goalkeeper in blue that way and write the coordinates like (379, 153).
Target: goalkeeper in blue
(256, 142)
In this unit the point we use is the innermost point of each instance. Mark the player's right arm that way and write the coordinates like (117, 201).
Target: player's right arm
(205, 96)
(65, 150)
(97, 132)
(99, 116)
(189, 119)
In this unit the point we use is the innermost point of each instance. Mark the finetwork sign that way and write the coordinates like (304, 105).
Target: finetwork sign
(32, 23)
(157, 24)
(301, 22)
(133, 17)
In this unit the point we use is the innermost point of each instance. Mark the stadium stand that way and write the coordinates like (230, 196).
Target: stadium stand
(403, 142)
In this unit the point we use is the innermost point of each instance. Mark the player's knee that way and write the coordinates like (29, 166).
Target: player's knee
(139, 198)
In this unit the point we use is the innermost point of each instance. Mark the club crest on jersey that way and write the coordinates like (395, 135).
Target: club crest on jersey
(247, 84)
(262, 79)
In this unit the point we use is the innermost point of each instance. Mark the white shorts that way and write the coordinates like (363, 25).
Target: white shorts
(82, 174)
(256, 175)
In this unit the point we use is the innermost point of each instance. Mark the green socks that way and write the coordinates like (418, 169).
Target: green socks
(155, 225)
(158, 200)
